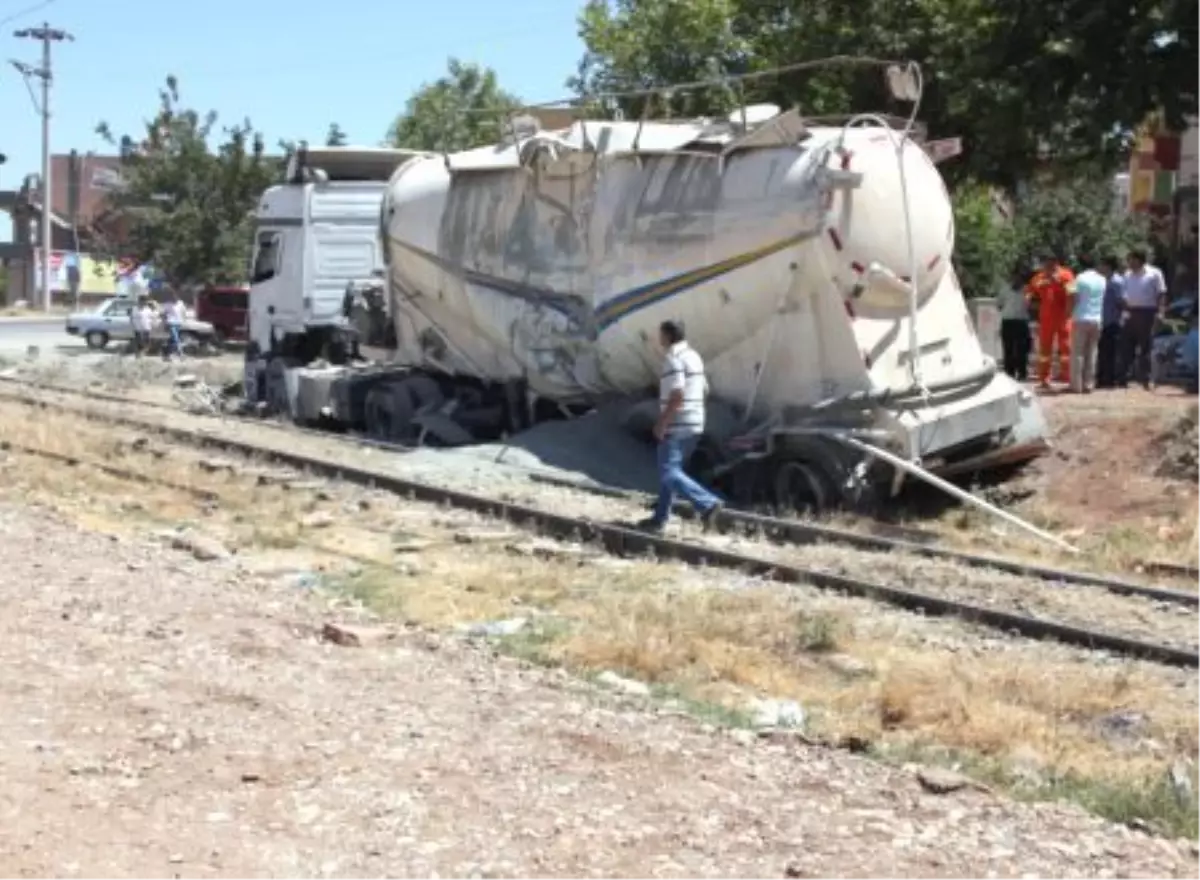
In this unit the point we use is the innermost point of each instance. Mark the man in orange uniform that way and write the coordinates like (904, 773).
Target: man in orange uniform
(1051, 286)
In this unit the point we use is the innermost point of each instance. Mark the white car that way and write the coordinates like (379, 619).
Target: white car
(112, 320)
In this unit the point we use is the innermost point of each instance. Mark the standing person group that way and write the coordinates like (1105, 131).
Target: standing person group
(1099, 324)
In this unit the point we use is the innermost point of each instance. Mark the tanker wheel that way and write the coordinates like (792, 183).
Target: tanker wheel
(802, 488)
(388, 412)
(424, 394)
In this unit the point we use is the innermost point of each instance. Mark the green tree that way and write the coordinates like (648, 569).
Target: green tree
(335, 137)
(1074, 219)
(184, 207)
(1022, 83)
(464, 109)
(985, 242)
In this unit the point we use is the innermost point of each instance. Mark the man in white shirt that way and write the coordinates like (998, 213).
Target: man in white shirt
(174, 314)
(682, 389)
(1145, 298)
(142, 319)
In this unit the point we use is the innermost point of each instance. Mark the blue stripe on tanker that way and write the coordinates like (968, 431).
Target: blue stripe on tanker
(630, 301)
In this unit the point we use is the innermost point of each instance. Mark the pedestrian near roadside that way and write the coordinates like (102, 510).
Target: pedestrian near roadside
(682, 390)
(174, 316)
(1108, 351)
(1050, 286)
(1014, 326)
(142, 319)
(1087, 314)
(1145, 299)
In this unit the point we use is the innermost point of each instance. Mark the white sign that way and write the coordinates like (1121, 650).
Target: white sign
(947, 148)
(106, 179)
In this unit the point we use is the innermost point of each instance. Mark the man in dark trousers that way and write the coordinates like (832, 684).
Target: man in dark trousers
(1108, 354)
(1145, 300)
(682, 388)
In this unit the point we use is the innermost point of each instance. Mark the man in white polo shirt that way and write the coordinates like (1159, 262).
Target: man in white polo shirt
(1145, 297)
(682, 388)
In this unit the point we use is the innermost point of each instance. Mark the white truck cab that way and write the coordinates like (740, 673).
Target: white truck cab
(315, 234)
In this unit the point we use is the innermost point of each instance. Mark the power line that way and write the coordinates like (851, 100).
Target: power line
(28, 10)
(46, 35)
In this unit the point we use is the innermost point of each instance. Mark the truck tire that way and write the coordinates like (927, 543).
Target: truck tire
(389, 411)
(96, 339)
(810, 478)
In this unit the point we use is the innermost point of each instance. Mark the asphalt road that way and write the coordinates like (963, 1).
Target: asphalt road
(18, 334)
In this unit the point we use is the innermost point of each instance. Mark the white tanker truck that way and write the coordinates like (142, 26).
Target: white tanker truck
(810, 265)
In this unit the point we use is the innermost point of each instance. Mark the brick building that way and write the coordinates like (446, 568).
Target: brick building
(79, 184)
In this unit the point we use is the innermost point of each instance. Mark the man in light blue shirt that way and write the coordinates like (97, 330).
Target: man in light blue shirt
(1087, 314)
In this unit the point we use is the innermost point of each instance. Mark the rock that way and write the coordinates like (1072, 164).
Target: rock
(349, 636)
(850, 667)
(545, 549)
(937, 780)
(318, 520)
(213, 465)
(200, 546)
(496, 628)
(1122, 724)
(1179, 776)
(610, 679)
(305, 580)
(777, 713)
(250, 776)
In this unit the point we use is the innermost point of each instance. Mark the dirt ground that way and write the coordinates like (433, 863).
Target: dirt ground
(1120, 482)
(166, 716)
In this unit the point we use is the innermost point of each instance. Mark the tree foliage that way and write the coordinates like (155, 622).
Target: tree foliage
(1020, 82)
(463, 109)
(184, 207)
(335, 137)
(1068, 219)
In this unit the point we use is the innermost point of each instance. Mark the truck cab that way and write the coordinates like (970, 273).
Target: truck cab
(317, 233)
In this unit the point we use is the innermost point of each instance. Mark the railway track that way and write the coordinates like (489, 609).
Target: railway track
(622, 540)
(884, 539)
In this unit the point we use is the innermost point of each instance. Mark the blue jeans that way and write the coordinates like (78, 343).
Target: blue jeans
(673, 452)
(176, 346)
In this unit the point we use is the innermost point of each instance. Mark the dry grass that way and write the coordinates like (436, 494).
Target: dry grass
(1018, 711)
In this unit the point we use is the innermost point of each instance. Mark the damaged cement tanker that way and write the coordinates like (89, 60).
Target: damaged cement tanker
(811, 267)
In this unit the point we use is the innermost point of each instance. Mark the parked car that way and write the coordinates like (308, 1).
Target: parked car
(227, 309)
(112, 320)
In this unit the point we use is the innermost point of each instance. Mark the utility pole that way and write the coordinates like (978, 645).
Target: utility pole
(46, 35)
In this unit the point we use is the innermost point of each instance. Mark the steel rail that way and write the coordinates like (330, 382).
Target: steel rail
(915, 542)
(621, 540)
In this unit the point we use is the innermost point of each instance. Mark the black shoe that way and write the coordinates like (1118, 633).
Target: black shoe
(651, 525)
(709, 517)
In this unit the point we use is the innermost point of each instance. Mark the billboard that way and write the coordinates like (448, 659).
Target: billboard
(96, 276)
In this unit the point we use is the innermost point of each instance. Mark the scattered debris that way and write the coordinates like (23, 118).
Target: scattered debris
(543, 548)
(610, 679)
(350, 636)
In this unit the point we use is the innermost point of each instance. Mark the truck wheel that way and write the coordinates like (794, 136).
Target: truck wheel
(388, 413)
(96, 339)
(802, 489)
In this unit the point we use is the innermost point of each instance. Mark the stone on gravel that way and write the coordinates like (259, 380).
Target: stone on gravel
(202, 547)
(482, 536)
(349, 636)
(318, 520)
(938, 780)
(777, 713)
(611, 680)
